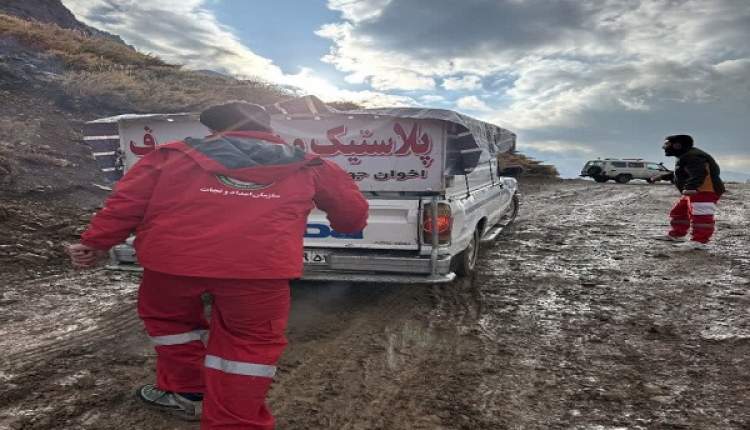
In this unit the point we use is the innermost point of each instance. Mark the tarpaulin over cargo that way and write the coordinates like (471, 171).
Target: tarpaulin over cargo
(395, 149)
(482, 134)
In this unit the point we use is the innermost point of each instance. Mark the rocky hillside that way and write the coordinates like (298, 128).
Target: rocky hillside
(55, 74)
(50, 12)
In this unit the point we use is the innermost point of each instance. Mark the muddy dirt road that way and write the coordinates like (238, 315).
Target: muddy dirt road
(574, 321)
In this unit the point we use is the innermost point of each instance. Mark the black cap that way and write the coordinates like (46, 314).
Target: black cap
(683, 139)
(236, 116)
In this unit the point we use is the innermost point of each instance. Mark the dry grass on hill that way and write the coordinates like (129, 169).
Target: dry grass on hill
(159, 89)
(531, 167)
(74, 48)
(105, 76)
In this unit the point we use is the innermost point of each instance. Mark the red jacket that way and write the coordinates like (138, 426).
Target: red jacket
(234, 205)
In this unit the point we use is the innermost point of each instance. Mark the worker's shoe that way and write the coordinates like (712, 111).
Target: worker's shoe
(691, 246)
(173, 403)
(668, 238)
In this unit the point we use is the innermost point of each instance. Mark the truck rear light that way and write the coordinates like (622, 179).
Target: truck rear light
(444, 223)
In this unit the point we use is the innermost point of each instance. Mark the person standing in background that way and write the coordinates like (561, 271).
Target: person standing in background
(696, 176)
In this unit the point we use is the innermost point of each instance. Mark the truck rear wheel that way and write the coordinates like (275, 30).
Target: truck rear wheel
(465, 263)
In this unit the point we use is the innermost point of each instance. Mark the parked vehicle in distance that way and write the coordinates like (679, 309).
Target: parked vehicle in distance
(624, 170)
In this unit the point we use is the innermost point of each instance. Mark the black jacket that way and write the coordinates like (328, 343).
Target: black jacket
(696, 170)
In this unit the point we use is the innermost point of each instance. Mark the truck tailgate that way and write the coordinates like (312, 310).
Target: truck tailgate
(392, 224)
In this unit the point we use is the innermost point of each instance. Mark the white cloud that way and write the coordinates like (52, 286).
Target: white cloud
(364, 64)
(314, 84)
(736, 162)
(431, 98)
(358, 11)
(403, 80)
(464, 83)
(186, 32)
(556, 147)
(181, 32)
(570, 63)
(472, 103)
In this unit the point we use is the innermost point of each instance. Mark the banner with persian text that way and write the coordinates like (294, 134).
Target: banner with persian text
(379, 153)
(138, 137)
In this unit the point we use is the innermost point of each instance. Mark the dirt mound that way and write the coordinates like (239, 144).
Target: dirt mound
(47, 178)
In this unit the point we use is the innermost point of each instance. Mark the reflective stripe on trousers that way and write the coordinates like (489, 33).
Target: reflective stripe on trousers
(239, 367)
(180, 338)
(703, 208)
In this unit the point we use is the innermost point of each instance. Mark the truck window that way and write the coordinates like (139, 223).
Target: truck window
(636, 165)
(482, 175)
(619, 164)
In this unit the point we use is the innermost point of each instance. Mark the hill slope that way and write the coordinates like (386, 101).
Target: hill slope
(50, 12)
(52, 80)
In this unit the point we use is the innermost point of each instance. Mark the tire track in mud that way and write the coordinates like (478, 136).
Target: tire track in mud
(73, 358)
(413, 346)
(610, 348)
(424, 358)
(311, 386)
(512, 394)
(118, 316)
(110, 325)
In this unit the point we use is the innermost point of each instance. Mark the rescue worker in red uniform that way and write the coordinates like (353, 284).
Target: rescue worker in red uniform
(224, 215)
(696, 175)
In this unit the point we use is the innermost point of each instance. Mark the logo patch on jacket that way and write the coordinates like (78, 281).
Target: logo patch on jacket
(241, 185)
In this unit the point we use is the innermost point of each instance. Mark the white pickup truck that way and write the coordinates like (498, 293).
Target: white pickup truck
(432, 179)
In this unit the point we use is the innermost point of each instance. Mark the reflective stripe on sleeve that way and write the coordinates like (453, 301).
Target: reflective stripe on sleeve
(179, 339)
(239, 367)
(704, 208)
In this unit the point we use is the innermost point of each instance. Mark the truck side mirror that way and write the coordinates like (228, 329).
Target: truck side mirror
(512, 171)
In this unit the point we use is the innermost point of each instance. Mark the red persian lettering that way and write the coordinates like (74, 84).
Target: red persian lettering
(149, 144)
(412, 144)
(362, 147)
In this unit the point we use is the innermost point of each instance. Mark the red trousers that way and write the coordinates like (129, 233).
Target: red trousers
(244, 341)
(696, 210)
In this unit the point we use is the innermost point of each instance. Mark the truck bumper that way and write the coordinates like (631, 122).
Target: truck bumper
(381, 268)
(342, 267)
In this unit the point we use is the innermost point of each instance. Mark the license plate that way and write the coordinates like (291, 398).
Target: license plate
(315, 257)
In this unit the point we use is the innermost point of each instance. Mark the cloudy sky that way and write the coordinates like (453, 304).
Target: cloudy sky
(576, 79)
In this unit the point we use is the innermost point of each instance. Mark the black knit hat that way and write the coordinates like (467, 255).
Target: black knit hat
(236, 116)
(685, 140)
